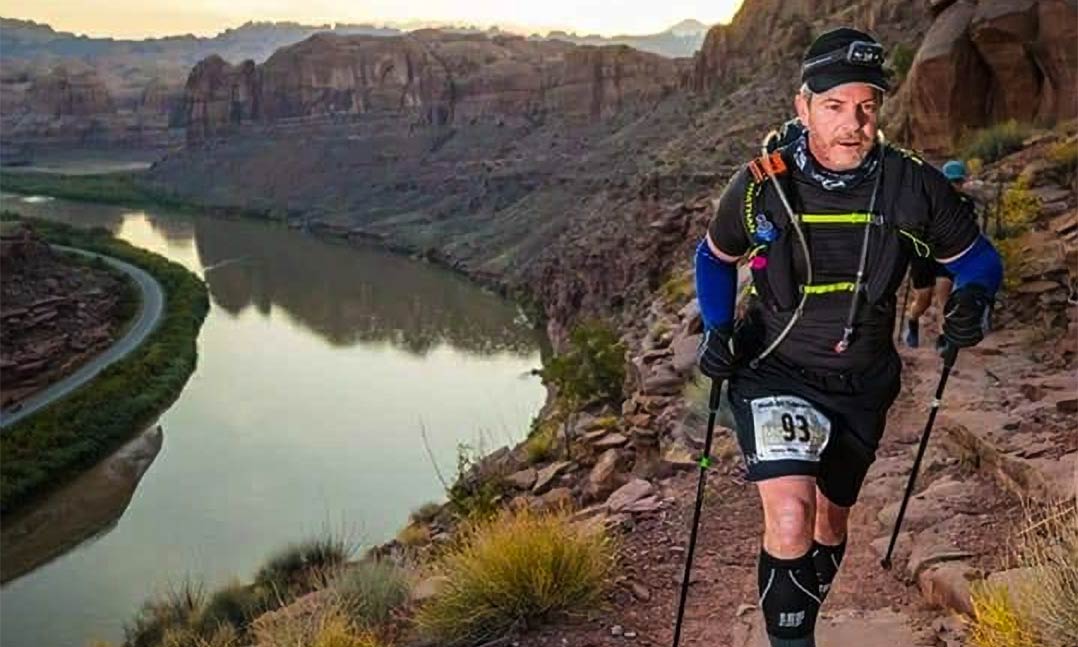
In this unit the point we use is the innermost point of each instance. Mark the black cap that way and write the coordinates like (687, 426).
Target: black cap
(826, 64)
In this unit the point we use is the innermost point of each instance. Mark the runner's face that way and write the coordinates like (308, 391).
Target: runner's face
(842, 124)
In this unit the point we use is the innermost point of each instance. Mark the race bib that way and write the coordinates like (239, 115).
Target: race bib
(788, 428)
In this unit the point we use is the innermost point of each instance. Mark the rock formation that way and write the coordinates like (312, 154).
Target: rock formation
(57, 313)
(990, 61)
(70, 93)
(427, 77)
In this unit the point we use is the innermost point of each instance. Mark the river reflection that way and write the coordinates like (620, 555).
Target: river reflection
(318, 365)
(345, 297)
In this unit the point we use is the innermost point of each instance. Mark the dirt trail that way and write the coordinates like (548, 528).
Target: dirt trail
(867, 606)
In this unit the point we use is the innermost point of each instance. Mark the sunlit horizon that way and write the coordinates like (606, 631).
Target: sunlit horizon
(137, 19)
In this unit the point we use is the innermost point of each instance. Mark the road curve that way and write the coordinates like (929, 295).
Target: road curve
(152, 306)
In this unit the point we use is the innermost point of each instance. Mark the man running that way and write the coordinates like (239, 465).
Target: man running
(928, 277)
(827, 225)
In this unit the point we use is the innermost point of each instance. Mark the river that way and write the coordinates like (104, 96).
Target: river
(319, 365)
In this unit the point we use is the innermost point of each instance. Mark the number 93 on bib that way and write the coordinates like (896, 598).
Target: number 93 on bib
(788, 428)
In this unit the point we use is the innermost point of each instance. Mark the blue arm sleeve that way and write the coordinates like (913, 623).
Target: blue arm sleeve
(716, 287)
(980, 265)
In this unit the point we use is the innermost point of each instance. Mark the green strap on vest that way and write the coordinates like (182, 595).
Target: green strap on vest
(821, 288)
(827, 288)
(856, 218)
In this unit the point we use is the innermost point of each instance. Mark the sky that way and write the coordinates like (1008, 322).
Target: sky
(146, 18)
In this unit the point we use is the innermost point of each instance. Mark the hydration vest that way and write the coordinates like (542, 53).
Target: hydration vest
(897, 231)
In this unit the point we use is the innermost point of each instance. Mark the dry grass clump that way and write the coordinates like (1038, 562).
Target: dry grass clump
(516, 570)
(1042, 609)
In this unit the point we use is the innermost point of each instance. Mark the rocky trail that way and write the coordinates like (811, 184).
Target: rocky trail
(951, 537)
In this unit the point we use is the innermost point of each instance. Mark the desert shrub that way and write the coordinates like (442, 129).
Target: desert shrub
(593, 367)
(233, 605)
(414, 534)
(297, 568)
(542, 444)
(1018, 207)
(902, 56)
(992, 143)
(175, 612)
(426, 513)
(678, 289)
(1064, 155)
(1010, 251)
(325, 625)
(516, 570)
(1041, 610)
(370, 591)
(999, 622)
(475, 493)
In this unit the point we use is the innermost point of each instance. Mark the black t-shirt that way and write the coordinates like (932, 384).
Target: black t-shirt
(950, 229)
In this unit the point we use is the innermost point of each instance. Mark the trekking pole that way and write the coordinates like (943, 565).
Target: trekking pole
(950, 352)
(705, 463)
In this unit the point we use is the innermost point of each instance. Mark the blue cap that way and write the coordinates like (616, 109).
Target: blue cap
(954, 170)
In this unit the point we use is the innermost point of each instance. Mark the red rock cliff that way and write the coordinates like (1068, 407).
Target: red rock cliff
(990, 61)
(427, 77)
(70, 93)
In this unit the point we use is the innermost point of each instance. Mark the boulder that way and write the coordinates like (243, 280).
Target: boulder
(685, 354)
(662, 379)
(947, 585)
(559, 498)
(603, 478)
(609, 441)
(931, 548)
(546, 476)
(522, 480)
(676, 457)
(629, 494)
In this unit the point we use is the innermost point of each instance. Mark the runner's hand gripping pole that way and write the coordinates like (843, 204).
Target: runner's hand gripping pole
(705, 463)
(950, 352)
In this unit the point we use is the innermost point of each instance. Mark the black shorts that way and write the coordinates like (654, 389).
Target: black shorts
(794, 421)
(925, 271)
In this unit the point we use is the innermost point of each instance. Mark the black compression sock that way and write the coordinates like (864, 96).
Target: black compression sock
(827, 560)
(789, 599)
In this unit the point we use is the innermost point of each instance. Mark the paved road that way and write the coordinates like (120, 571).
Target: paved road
(151, 308)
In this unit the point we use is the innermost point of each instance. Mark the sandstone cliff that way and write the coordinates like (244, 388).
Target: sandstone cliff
(990, 61)
(70, 93)
(427, 78)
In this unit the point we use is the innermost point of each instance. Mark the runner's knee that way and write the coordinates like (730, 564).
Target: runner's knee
(790, 524)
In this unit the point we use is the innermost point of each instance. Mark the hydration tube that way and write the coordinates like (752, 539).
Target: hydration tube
(795, 220)
(847, 331)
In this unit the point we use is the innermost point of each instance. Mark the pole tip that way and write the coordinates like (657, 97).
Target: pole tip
(885, 564)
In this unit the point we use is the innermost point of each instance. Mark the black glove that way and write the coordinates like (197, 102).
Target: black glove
(963, 317)
(717, 360)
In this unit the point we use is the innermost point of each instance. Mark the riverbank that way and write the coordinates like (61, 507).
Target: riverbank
(60, 311)
(45, 450)
(130, 189)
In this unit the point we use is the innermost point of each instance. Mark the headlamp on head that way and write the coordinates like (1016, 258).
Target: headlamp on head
(859, 52)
